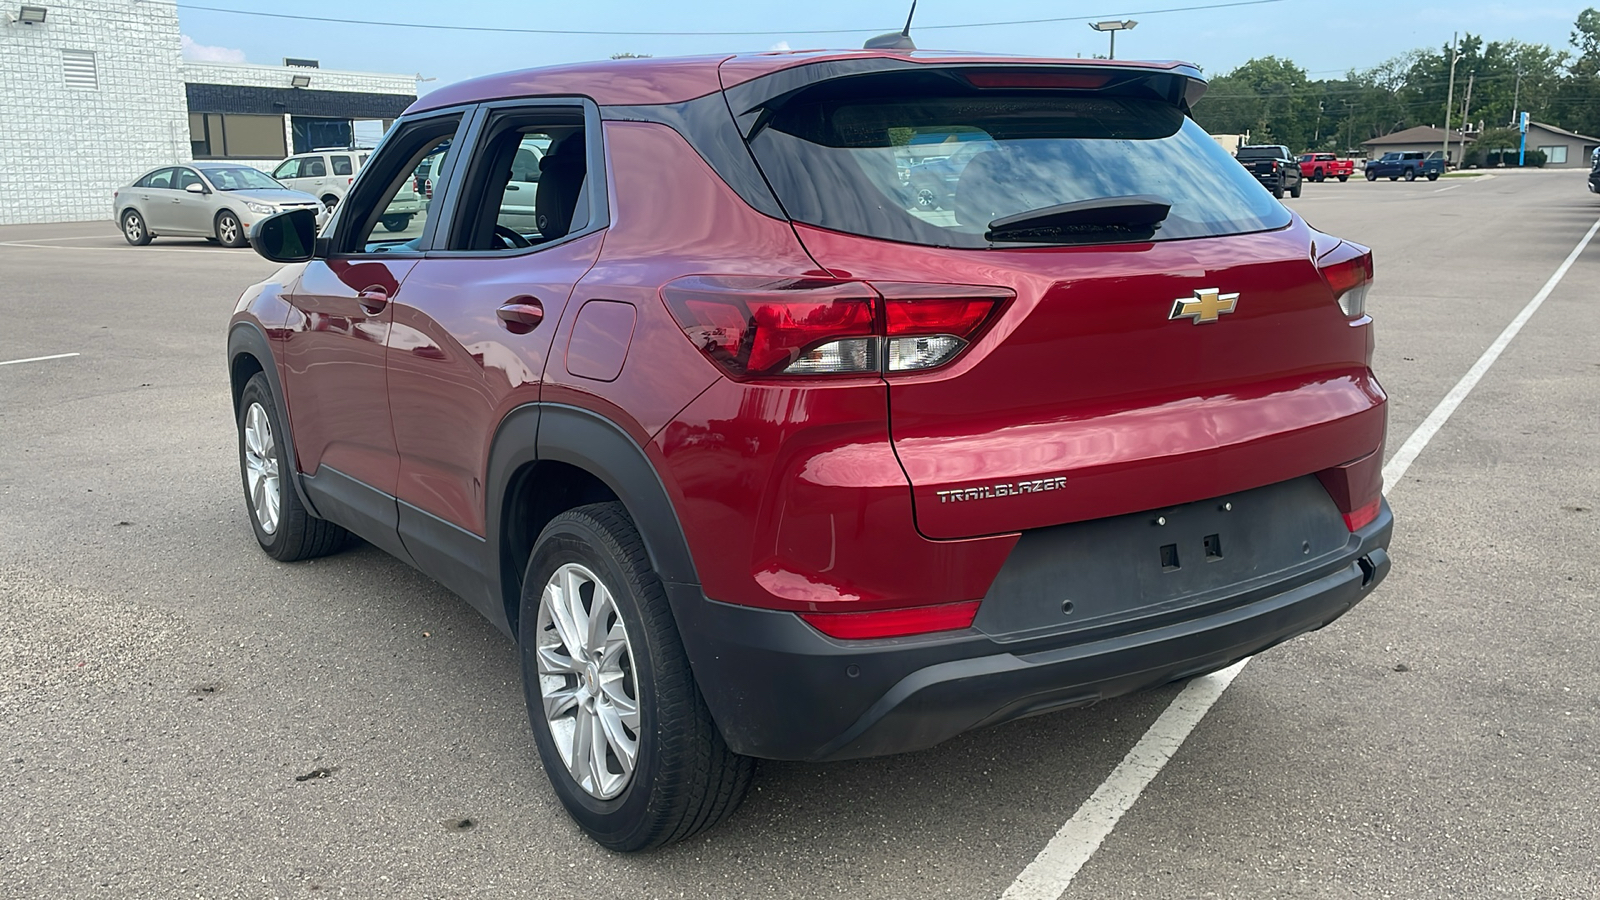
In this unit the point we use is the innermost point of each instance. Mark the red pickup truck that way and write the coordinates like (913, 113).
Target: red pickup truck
(1322, 166)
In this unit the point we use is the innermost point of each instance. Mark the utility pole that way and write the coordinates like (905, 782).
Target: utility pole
(1516, 98)
(1450, 97)
(1466, 110)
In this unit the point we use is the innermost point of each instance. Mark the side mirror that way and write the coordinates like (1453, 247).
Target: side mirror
(288, 237)
(196, 187)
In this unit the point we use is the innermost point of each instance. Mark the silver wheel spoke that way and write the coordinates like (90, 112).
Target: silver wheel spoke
(560, 702)
(600, 610)
(582, 762)
(626, 708)
(553, 663)
(622, 745)
(561, 619)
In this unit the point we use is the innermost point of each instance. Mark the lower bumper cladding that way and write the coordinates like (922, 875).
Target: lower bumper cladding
(779, 689)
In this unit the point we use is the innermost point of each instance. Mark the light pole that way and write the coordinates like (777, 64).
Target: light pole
(1113, 27)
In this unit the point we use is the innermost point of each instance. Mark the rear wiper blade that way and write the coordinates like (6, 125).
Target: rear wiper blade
(1137, 214)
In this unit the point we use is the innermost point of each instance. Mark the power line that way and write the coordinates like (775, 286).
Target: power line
(768, 33)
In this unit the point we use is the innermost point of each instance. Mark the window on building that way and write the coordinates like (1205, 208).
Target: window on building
(79, 69)
(1556, 155)
(321, 134)
(229, 136)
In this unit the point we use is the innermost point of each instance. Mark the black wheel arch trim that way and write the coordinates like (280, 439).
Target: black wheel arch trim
(553, 432)
(247, 338)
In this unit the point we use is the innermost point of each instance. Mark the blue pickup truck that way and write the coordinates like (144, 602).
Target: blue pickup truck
(1407, 164)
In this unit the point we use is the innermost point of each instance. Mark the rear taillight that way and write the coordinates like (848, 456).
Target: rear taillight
(889, 623)
(1363, 515)
(757, 327)
(1347, 269)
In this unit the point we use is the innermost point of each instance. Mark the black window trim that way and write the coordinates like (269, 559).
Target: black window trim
(338, 228)
(599, 194)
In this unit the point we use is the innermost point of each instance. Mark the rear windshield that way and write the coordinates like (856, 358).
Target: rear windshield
(936, 170)
(1260, 153)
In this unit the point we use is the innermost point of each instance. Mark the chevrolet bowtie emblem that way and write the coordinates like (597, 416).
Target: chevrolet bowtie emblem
(1207, 305)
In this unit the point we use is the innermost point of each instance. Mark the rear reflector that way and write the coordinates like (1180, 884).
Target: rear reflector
(1363, 515)
(889, 623)
(759, 327)
(1347, 269)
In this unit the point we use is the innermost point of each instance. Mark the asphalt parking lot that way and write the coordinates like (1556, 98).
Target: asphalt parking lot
(182, 716)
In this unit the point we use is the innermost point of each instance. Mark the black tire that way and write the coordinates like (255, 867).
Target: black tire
(230, 233)
(1317, 175)
(1371, 175)
(1411, 174)
(1344, 178)
(1394, 177)
(685, 779)
(396, 222)
(134, 230)
(296, 534)
(1295, 191)
(1277, 190)
(329, 202)
(1433, 176)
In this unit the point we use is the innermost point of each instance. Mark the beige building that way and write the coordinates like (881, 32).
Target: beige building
(1426, 138)
(1562, 149)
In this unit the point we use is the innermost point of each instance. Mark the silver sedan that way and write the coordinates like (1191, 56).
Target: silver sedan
(218, 201)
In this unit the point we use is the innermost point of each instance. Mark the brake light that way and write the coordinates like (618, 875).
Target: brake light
(757, 327)
(1059, 80)
(1363, 515)
(889, 623)
(1347, 270)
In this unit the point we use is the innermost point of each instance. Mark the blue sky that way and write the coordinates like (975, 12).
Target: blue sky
(1327, 37)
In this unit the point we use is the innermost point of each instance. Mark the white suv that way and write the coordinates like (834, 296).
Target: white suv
(325, 174)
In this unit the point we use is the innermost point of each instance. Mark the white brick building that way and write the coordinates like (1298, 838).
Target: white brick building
(98, 92)
(89, 98)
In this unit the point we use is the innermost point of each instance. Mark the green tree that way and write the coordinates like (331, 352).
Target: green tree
(1576, 104)
(1268, 97)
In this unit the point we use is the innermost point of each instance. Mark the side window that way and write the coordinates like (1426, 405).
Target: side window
(289, 168)
(313, 167)
(390, 207)
(161, 179)
(341, 165)
(186, 177)
(527, 183)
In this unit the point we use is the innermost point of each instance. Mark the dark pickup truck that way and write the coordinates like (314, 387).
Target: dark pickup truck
(1272, 165)
(1407, 164)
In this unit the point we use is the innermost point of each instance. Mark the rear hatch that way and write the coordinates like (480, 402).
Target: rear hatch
(1123, 364)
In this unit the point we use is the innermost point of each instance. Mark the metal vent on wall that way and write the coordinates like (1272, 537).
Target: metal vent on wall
(78, 65)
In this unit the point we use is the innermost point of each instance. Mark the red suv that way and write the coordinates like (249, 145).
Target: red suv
(755, 455)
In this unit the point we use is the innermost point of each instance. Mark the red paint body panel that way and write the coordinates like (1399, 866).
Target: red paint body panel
(615, 82)
(662, 229)
(455, 370)
(333, 361)
(791, 498)
(1085, 377)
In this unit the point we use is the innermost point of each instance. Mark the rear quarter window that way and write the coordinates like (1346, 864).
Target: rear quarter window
(936, 170)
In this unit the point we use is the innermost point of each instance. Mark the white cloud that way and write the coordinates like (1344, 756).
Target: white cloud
(781, 45)
(202, 53)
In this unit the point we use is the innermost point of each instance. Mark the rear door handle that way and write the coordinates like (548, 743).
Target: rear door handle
(373, 299)
(521, 314)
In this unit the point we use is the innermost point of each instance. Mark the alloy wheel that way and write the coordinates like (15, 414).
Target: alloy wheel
(228, 230)
(133, 228)
(261, 467)
(587, 681)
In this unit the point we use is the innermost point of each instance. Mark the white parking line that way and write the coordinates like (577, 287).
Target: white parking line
(1450, 188)
(82, 237)
(1052, 871)
(219, 253)
(12, 362)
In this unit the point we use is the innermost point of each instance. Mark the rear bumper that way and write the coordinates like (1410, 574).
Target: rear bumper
(780, 690)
